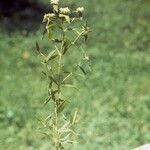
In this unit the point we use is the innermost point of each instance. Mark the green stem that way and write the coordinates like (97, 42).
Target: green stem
(59, 94)
(56, 106)
(56, 125)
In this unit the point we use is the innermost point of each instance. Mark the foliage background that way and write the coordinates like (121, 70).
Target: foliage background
(113, 103)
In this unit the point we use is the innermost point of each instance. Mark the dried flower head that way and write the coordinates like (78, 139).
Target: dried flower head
(54, 2)
(65, 10)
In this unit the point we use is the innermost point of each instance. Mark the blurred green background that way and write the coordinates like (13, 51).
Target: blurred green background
(113, 103)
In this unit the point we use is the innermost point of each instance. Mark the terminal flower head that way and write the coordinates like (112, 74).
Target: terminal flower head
(54, 2)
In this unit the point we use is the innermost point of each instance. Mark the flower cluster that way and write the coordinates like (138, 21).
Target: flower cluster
(54, 2)
(62, 13)
(65, 10)
(80, 9)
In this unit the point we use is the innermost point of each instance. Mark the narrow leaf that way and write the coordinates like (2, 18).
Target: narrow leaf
(70, 86)
(66, 46)
(61, 107)
(68, 141)
(45, 133)
(52, 57)
(51, 53)
(52, 79)
(46, 101)
(44, 32)
(50, 35)
(48, 118)
(41, 122)
(53, 95)
(37, 47)
(82, 69)
(67, 77)
(57, 40)
(50, 85)
(74, 117)
(69, 29)
(66, 137)
(86, 35)
(44, 73)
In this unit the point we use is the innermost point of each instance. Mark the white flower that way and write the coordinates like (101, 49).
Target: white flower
(54, 2)
(80, 9)
(65, 10)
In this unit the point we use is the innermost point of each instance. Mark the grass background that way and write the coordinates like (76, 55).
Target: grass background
(113, 103)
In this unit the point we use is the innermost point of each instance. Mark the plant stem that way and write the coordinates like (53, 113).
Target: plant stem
(56, 125)
(56, 106)
(59, 95)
